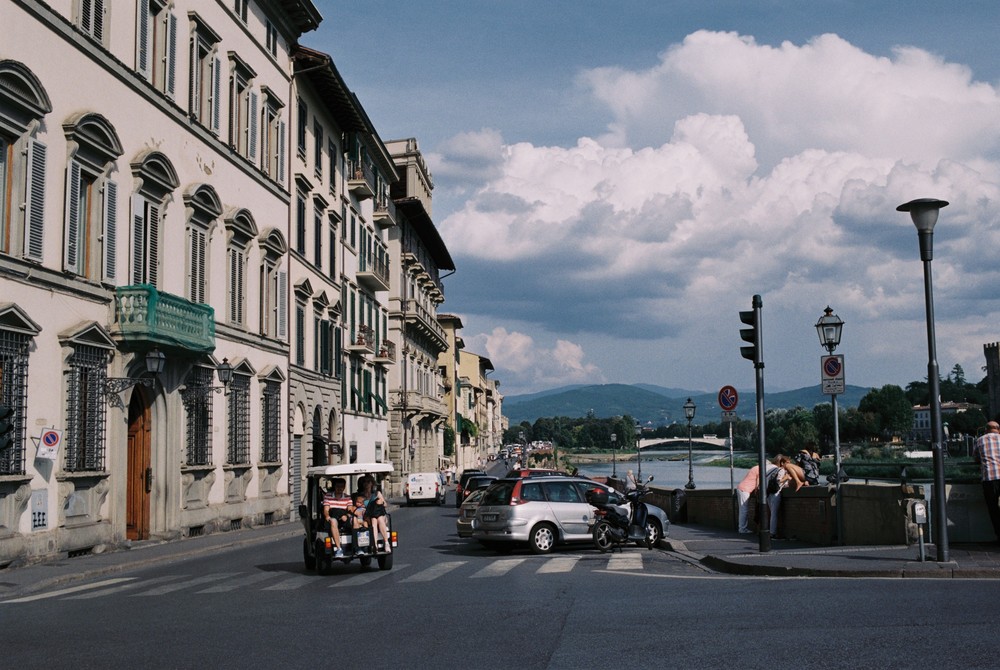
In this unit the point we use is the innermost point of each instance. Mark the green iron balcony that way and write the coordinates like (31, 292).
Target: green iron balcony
(146, 317)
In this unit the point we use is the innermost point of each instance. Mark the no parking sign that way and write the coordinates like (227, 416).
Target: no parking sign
(48, 444)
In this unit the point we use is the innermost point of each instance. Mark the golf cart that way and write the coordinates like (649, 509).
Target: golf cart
(318, 547)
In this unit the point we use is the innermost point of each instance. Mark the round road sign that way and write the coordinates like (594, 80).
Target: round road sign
(832, 366)
(728, 398)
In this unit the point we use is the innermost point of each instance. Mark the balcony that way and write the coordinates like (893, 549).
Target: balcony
(385, 212)
(363, 342)
(414, 403)
(361, 180)
(145, 317)
(415, 315)
(386, 354)
(373, 273)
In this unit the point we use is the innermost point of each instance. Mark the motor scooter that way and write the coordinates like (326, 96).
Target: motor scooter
(612, 528)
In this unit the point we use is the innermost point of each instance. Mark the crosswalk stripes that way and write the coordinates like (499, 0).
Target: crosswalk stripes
(499, 567)
(233, 584)
(71, 589)
(625, 562)
(365, 578)
(100, 593)
(293, 582)
(435, 571)
(559, 564)
(177, 586)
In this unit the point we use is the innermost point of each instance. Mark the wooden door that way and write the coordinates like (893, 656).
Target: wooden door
(139, 469)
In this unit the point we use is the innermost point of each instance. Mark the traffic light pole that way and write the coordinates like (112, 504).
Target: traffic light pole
(755, 354)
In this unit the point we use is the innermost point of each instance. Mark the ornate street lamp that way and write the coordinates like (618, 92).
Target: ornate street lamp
(924, 213)
(614, 459)
(689, 410)
(829, 328)
(155, 362)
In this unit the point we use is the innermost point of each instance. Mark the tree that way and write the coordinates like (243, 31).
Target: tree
(891, 406)
(957, 375)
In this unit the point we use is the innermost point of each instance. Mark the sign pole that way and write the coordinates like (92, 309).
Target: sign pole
(728, 400)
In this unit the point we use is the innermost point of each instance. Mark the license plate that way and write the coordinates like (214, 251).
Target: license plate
(490, 517)
(363, 540)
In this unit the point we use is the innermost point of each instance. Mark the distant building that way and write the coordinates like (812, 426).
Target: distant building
(922, 416)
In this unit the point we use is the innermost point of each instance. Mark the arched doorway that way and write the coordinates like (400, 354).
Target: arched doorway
(139, 470)
(319, 455)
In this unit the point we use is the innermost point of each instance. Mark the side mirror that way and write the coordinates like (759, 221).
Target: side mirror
(650, 479)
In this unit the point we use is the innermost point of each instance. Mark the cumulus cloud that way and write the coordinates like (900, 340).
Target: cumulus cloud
(731, 168)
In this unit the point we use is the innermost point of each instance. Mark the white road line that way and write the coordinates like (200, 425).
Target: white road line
(560, 564)
(72, 589)
(293, 583)
(234, 584)
(177, 586)
(124, 587)
(625, 562)
(366, 577)
(499, 567)
(435, 571)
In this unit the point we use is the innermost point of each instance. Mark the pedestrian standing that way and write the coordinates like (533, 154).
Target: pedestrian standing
(743, 491)
(988, 457)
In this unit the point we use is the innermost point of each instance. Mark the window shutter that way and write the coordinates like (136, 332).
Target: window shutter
(281, 152)
(196, 277)
(34, 200)
(171, 55)
(70, 249)
(138, 237)
(252, 126)
(194, 99)
(282, 306)
(99, 20)
(324, 347)
(110, 231)
(239, 287)
(216, 93)
(153, 248)
(142, 57)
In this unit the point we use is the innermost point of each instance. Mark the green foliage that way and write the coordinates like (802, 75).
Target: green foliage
(449, 440)
(892, 409)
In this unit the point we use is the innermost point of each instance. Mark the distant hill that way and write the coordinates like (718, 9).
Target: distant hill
(657, 405)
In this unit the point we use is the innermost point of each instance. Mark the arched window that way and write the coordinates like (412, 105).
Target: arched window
(274, 287)
(240, 229)
(202, 208)
(23, 103)
(156, 180)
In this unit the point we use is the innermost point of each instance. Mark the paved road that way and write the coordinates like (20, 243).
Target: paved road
(449, 603)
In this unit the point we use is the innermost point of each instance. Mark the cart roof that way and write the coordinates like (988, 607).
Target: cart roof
(349, 469)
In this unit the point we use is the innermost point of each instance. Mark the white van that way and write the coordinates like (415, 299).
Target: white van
(425, 487)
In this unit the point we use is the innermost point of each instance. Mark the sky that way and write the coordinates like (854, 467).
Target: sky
(616, 180)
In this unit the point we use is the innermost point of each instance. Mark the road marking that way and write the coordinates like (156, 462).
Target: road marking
(434, 572)
(234, 584)
(560, 564)
(499, 567)
(366, 577)
(177, 586)
(72, 589)
(625, 562)
(123, 587)
(292, 583)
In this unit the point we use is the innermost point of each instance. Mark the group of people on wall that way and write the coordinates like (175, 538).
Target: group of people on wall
(779, 474)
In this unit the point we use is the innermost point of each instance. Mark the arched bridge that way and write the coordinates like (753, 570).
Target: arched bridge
(669, 442)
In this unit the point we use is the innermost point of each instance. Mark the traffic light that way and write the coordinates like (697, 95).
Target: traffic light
(6, 427)
(752, 334)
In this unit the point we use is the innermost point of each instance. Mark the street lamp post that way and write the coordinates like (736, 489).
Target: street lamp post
(614, 459)
(689, 409)
(829, 327)
(924, 212)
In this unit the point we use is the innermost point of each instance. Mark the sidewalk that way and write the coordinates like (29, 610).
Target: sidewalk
(727, 551)
(20, 581)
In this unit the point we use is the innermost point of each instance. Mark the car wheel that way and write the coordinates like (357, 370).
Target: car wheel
(653, 534)
(310, 560)
(366, 562)
(602, 536)
(385, 562)
(542, 539)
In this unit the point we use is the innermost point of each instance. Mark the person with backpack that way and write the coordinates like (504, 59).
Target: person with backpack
(809, 462)
(785, 474)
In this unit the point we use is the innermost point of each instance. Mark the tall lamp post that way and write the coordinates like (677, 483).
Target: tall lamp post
(924, 212)
(614, 459)
(829, 327)
(689, 409)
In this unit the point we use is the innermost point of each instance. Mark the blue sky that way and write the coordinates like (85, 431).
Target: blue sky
(616, 180)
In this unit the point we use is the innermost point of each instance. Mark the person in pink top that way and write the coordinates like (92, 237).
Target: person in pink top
(335, 504)
(743, 491)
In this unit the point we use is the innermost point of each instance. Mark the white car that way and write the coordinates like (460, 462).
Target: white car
(425, 487)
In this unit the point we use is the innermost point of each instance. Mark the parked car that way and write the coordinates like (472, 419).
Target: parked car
(536, 472)
(467, 512)
(425, 487)
(475, 483)
(318, 547)
(544, 511)
(462, 479)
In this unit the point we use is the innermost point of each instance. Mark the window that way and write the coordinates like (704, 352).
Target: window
(242, 108)
(238, 408)
(318, 150)
(319, 224)
(272, 38)
(270, 422)
(198, 405)
(332, 269)
(205, 208)
(273, 288)
(22, 162)
(85, 409)
(92, 18)
(15, 340)
(156, 45)
(241, 9)
(300, 334)
(332, 153)
(236, 265)
(205, 76)
(301, 128)
(91, 204)
(272, 149)
(158, 179)
(300, 222)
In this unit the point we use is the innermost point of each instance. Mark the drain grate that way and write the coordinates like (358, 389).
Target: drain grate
(76, 553)
(196, 531)
(236, 524)
(268, 518)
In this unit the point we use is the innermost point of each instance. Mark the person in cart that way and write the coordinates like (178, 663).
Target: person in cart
(335, 509)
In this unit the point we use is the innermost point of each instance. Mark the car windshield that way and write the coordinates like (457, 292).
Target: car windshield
(499, 493)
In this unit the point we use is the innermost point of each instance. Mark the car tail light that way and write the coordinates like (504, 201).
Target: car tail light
(515, 495)
(328, 542)
(392, 538)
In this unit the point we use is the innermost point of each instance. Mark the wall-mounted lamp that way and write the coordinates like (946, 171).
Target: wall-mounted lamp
(155, 361)
(225, 372)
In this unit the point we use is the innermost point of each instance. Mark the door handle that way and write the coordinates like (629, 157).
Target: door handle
(149, 479)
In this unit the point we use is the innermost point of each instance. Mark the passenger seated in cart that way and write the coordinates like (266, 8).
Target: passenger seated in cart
(375, 511)
(359, 512)
(335, 511)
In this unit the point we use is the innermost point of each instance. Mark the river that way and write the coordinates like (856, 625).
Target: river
(670, 474)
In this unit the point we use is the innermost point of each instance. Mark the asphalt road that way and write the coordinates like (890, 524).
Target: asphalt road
(449, 603)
